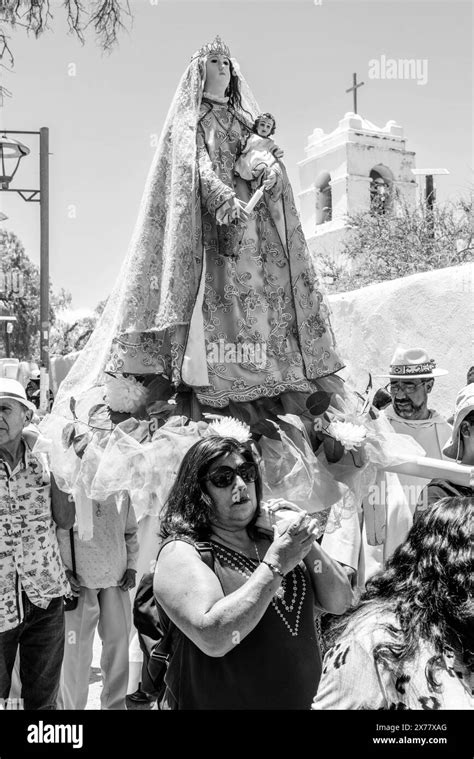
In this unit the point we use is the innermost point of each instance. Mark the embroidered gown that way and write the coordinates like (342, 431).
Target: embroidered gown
(265, 325)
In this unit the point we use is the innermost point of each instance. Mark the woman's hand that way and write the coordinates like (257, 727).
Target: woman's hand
(275, 505)
(292, 541)
(273, 511)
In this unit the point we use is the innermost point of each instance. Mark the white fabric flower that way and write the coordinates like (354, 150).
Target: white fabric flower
(227, 426)
(349, 435)
(124, 394)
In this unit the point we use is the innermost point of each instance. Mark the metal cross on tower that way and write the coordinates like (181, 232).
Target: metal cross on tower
(353, 89)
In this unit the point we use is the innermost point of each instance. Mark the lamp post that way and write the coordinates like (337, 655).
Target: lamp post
(430, 192)
(11, 153)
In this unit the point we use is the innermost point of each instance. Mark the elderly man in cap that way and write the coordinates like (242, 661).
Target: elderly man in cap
(411, 374)
(459, 447)
(32, 578)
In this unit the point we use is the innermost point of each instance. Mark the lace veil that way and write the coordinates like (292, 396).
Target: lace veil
(158, 281)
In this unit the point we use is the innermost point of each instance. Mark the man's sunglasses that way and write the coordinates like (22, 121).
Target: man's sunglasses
(224, 476)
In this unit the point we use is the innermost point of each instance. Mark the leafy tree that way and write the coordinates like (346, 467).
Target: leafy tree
(20, 295)
(66, 336)
(384, 246)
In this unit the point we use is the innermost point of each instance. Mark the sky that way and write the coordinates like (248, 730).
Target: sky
(104, 112)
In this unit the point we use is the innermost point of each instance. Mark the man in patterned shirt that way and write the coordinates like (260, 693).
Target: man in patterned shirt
(32, 579)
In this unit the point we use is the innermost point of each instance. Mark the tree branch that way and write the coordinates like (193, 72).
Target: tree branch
(106, 16)
(37, 16)
(5, 50)
(75, 12)
(107, 21)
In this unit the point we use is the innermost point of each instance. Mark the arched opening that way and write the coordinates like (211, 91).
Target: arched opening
(323, 198)
(381, 189)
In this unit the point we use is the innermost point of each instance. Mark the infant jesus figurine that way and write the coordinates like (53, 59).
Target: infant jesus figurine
(259, 158)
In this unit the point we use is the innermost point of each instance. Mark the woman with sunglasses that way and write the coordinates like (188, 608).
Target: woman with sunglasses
(245, 629)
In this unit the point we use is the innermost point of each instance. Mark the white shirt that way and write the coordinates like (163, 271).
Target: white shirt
(101, 562)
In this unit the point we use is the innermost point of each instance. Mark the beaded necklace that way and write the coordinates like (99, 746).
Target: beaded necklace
(296, 579)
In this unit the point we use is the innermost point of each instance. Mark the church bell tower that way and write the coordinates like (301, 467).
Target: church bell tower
(357, 167)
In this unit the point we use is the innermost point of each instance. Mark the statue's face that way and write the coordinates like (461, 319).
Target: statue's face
(217, 73)
(264, 126)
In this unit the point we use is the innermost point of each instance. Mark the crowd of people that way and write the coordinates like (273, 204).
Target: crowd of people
(246, 632)
(264, 606)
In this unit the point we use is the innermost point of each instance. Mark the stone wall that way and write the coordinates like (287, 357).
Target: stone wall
(434, 311)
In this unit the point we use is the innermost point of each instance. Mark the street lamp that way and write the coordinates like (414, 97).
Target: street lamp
(10, 151)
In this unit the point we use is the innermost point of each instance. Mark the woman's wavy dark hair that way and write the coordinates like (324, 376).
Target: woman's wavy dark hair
(428, 584)
(233, 93)
(188, 508)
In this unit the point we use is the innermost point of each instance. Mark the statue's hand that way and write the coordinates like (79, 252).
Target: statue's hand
(237, 211)
(270, 181)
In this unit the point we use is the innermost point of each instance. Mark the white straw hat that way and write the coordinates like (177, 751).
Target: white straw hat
(409, 363)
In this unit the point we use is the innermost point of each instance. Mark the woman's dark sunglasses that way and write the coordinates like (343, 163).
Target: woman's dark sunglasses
(224, 476)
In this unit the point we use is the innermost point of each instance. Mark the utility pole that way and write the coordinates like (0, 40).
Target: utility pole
(430, 193)
(44, 251)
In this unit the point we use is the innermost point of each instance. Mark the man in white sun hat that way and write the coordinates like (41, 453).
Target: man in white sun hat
(32, 579)
(412, 374)
(459, 447)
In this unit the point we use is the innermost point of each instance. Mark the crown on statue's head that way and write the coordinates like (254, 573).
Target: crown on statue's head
(216, 47)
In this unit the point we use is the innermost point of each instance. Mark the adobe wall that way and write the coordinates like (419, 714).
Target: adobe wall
(434, 310)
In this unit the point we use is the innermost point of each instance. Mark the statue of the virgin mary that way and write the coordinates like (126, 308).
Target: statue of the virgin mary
(224, 304)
